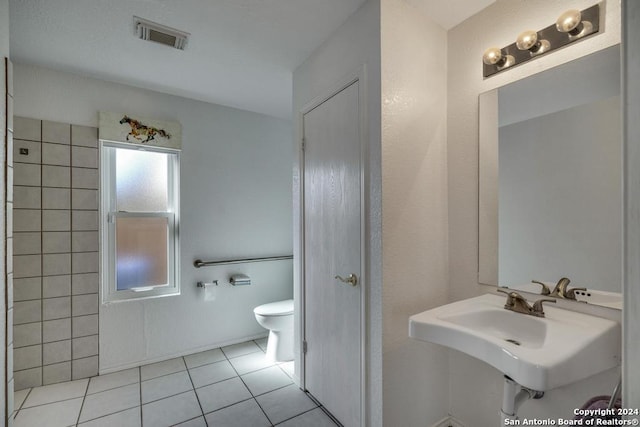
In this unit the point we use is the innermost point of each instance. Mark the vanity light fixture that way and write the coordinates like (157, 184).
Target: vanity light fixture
(573, 25)
(528, 40)
(494, 56)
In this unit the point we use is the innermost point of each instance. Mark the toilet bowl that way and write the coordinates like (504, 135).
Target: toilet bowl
(277, 317)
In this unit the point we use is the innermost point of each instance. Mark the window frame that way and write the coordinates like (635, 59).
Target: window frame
(109, 214)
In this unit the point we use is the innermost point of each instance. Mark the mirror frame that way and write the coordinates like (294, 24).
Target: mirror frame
(488, 176)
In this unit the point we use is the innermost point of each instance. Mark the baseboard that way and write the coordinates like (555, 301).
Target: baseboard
(448, 422)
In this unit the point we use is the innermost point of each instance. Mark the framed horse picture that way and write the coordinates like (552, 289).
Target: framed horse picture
(121, 127)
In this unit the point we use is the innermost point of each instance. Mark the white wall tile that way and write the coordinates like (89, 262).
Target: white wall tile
(27, 243)
(84, 135)
(27, 378)
(56, 242)
(56, 198)
(56, 286)
(26, 266)
(25, 128)
(56, 176)
(85, 346)
(84, 368)
(27, 288)
(26, 197)
(25, 220)
(56, 330)
(33, 154)
(84, 199)
(84, 157)
(27, 311)
(56, 132)
(84, 178)
(84, 220)
(82, 326)
(56, 220)
(56, 352)
(56, 154)
(85, 262)
(26, 174)
(56, 308)
(84, 241)
(27, 334)
(56, 373)
(27, 357)
(87, 283)
(85, 304)
(56, 264)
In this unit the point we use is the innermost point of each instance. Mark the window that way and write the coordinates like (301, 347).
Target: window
(140, 208)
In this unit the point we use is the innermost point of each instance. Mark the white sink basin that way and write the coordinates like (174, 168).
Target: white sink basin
(538, 353)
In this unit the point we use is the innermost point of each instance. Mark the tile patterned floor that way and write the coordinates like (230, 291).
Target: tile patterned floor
(232, 386)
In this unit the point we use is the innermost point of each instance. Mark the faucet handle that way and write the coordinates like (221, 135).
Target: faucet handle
(537, 309)
(512, 297)
(545, 288)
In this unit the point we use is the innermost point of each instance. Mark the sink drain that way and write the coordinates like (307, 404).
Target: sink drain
(513, 341)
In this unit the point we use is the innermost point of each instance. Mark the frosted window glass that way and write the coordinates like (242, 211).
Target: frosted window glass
(141, 181)
(141, 252)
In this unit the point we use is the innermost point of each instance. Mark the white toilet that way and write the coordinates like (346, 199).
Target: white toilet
(278, 318)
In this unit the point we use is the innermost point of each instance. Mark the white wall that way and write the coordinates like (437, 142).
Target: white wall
(235, 198)
(354, 45)
(474, 398)
(631, 96)
(414, 211)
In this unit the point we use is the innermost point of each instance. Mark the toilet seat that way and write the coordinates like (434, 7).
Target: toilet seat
(278, 308)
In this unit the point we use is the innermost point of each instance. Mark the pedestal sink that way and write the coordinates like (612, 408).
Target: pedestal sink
(537, 353)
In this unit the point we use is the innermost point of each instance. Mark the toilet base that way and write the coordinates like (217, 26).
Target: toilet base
(280, 346)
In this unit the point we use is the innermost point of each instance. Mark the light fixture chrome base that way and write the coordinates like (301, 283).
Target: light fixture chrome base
(551, 38)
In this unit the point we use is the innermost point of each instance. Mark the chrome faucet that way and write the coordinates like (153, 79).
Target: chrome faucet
(562, 290)
(518, 303)
(545, 289)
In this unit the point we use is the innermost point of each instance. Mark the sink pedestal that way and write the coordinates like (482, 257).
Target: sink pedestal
(513, 396)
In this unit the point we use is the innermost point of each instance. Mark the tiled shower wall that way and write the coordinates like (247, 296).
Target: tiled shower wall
(55, 332)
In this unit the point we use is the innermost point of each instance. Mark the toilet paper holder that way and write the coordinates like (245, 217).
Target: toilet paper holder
(203, 285)
(239, 279)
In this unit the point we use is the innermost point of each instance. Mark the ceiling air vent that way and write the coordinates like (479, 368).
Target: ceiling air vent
(147, 30)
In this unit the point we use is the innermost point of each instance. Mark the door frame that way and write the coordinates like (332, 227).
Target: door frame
(359, 76)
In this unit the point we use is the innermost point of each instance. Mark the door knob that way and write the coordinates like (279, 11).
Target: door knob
(352, 279)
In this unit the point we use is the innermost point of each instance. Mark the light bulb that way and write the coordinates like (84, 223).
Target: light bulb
(492, 56)
(527, 40)
(569, 21)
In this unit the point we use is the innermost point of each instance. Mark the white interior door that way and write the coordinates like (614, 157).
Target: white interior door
(332, 247)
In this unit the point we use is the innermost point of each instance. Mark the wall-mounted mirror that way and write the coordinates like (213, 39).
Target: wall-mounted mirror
(551, 179)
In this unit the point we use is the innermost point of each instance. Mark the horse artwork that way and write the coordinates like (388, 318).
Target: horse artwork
(143, 133)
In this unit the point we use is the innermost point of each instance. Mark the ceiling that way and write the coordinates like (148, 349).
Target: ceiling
(241, 53)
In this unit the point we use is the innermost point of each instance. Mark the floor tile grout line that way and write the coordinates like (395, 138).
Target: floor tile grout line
(296, 416)
(23, 402)
(50, 403)
(250, 392)
(196, 393)
(107, 415)
(111, 388)
(84, 396)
